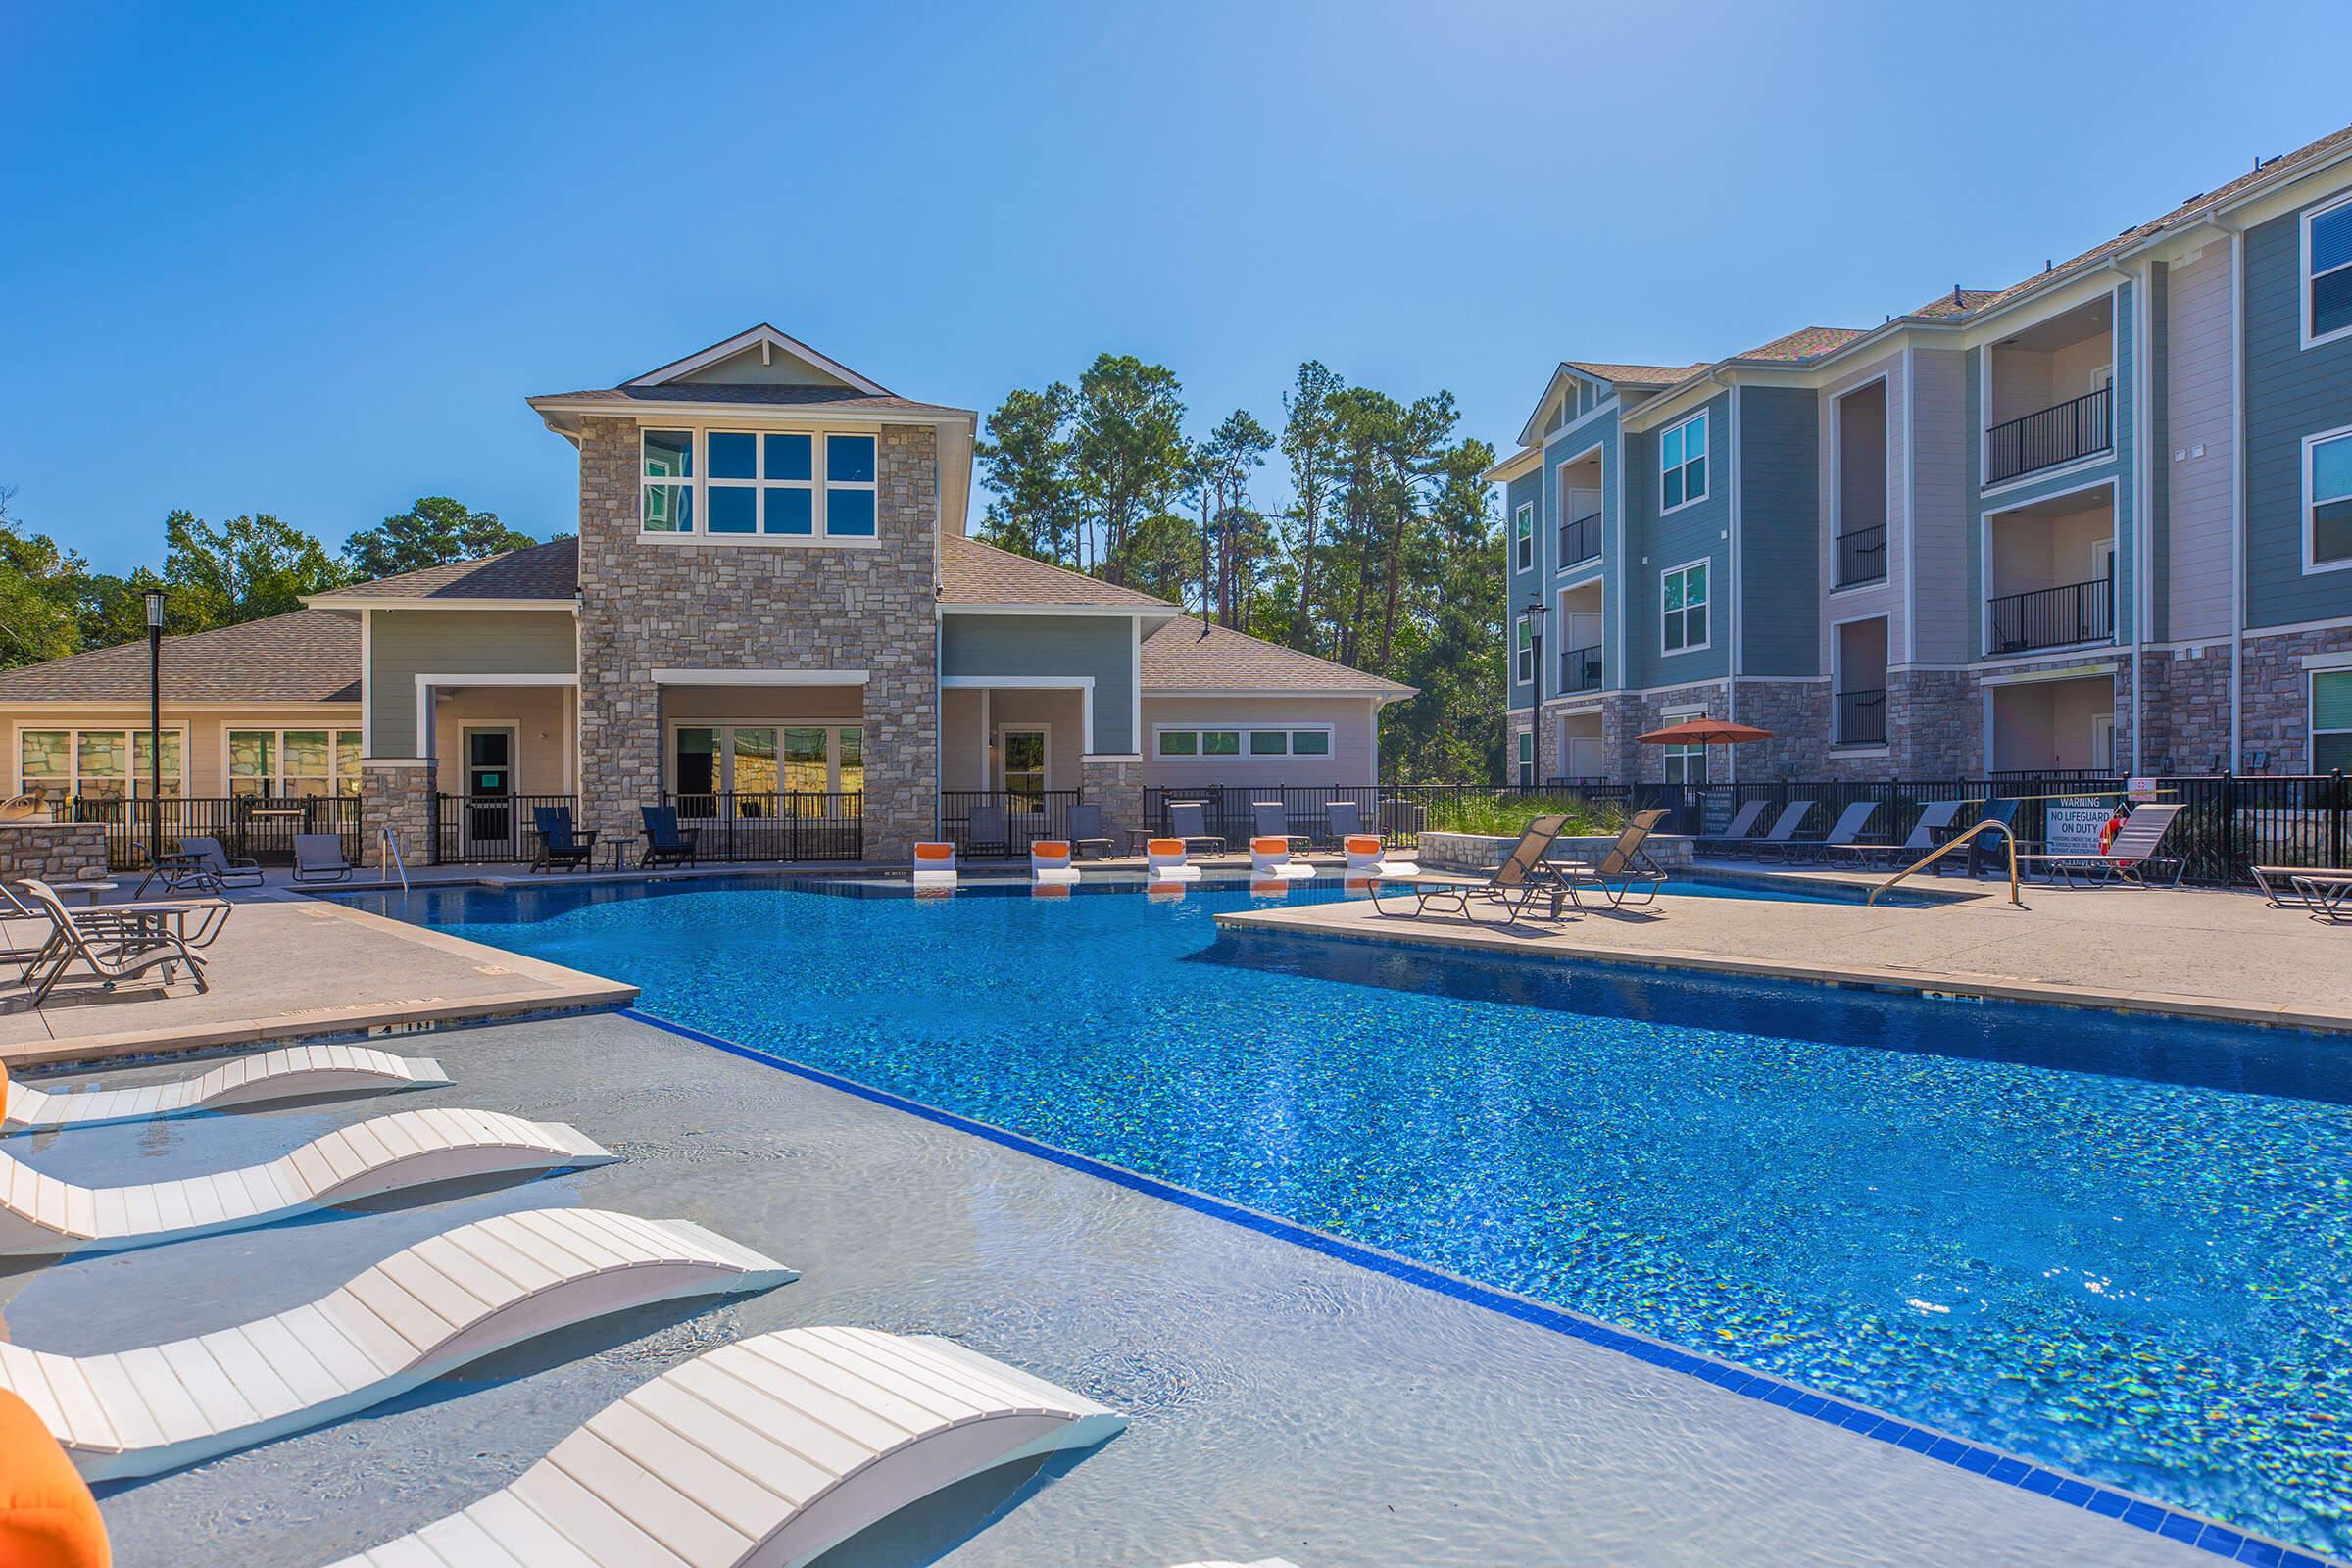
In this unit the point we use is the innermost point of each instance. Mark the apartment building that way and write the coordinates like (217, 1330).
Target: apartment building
(2099, 518)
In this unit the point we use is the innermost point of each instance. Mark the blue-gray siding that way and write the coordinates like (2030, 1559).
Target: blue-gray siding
(1693, 531)
(403, 643)
(1601, 429)
(2291, 392)
(1101, 646)
(1527, 489)
(1780, 531)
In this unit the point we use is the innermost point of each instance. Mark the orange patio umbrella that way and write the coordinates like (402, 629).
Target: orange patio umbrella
(1705, 732)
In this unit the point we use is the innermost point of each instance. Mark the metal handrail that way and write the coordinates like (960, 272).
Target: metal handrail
(2047, 437)
(1579, 540)
(1949, 845)
(388, 857)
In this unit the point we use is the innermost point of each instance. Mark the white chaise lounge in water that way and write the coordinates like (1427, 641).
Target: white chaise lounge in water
(422, 1312)
(287, 1073)
(823, 1431)
(40, 1214)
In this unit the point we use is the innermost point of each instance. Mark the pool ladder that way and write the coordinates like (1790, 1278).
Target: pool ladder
(1989, 824)
(387, 855)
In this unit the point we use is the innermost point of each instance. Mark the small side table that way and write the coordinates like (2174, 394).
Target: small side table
(621, 849)
(95, 889)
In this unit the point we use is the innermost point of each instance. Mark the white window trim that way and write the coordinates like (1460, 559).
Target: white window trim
(1708, 602)
(1045, 771)
(2309, 278)
(1523, 539)
(1523, 647)
(1196, 728)
(2312, 443)
(74, 734)
(727, 749)
(818, 484)
(278, 754)
(1708, 456)
(2311, 716)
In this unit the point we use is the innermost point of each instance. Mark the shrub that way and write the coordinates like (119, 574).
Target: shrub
(1509, 816)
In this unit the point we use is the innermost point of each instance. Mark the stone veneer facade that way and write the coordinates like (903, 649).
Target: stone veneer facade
(652, 603)
(397, 792)
(1115, 784)
(2275, 709)
(52, 852)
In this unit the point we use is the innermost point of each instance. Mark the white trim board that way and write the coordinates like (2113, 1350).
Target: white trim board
(760, 677)
(1084, 685)
(427, 684)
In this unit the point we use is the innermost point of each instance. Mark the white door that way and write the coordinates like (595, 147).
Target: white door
(2102, 742)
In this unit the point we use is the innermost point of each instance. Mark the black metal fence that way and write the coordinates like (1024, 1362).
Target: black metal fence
(490, 829)
(773, 825)
(2049, 436)
(982, 823)
(1861, 556)
(1861, 719)
(1399, 812)
(248, 826)
(1580, 539)
(2052, 617)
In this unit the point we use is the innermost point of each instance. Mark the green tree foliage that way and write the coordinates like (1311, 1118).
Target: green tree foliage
(243, 570)
(1129, 458)
(40, 595)
(1026, 459)
(434, 531)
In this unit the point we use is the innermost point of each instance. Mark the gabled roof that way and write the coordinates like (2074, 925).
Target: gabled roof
(1640, 376)
(759, 368)
(311, 656)
(768, 340)
(840, 399)
(1806, 343)
(550, 571)
(1179, 658)
(973, 572)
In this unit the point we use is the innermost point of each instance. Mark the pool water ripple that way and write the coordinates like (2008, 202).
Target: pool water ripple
(2139, 1273)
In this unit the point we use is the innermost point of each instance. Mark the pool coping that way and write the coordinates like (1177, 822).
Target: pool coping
(1563, 948)
(2211, 1535)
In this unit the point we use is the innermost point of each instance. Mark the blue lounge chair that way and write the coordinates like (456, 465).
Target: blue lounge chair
(665, 843)
(560, 845)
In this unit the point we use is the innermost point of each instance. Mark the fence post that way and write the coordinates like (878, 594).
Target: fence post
(2339, 804)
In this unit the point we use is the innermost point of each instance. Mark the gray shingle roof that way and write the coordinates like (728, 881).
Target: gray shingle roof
(847, 399)
(551, 571)
(1178, 657)
(971, 572)
(312, 656)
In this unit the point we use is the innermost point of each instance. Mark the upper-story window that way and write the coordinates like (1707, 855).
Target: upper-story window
(1683, 463)
(2327, 501)
(1522, 652)
(1683, 608)
(1522, 538)
(780, 485)
(2328, 272)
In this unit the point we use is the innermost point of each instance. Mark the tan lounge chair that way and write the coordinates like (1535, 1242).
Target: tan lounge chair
(1625, 871)
(1521, 879)
(2134, 849)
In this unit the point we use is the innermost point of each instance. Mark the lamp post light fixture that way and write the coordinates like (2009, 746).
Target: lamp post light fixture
(155, 726)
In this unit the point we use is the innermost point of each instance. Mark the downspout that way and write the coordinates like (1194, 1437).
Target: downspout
(2142, 374)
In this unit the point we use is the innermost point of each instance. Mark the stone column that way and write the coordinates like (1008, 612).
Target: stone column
(397, 792)
(1115, 784)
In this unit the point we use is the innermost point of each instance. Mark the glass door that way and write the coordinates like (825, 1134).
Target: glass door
(1021, 768)
(489, 784)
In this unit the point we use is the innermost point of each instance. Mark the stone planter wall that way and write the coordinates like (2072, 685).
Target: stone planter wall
(53, 851)
(1483, 852)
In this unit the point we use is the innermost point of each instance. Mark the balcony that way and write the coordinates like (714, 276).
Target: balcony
(1862, 556)
(1580, 669)
(1861, 719)
(2052, 617)
(1579, 540)
(2048, 437)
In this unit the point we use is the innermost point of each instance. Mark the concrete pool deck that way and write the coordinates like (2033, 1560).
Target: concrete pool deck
(290, 970)
(2189, 952)
(1285, 1403)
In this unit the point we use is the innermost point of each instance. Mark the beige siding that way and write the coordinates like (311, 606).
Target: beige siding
(1939, 433)
(1876, 598)
(966, 752)
(2201, 380)
(406, 643)
(1352, 758)
(541, 717)
(205, 743)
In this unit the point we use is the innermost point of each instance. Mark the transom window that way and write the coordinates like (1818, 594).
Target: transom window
(97, 765)
(1522, 538)
(2328, 500)
(1683, 608)
(299, 762)
(755, 763)
(779, 485)
(1262, 744)
(1683, 463)
(2330, 720)
(2328, 274)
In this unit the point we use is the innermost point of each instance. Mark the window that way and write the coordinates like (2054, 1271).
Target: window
(297, 763)
(1267, 743)
(1527, 757)
(2330, 720)
(1686, 765)
(1522, 538)
(1682, 608)
(1522, 652)
(756, 761)
(98, 764)
(1683, 463)
(2326, 273)
(779, 485)
(2328, 500)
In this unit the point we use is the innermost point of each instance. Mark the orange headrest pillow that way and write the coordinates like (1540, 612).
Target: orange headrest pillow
(1051, 848)
(1167, 846)
(1270, 846)
(935, 852)
(48, 1518)
(1364, 843)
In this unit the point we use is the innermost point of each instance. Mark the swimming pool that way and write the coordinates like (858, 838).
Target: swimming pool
(2111, 1245)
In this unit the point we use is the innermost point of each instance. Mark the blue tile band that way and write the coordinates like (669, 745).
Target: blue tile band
(2157, 1518)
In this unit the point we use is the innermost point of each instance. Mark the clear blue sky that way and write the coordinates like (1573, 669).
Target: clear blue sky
(312, 262)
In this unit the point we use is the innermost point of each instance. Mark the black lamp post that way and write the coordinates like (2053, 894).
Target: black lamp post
(155, 726)
(1535, 611)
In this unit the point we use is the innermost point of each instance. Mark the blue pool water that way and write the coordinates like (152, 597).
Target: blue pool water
(2120, 1247)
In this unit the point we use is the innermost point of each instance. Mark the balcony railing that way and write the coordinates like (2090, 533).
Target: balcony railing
(1579, 540)
(1861, 556)
(1580, 669)
(1861, 719)
(2052, 436)
(2053, 617)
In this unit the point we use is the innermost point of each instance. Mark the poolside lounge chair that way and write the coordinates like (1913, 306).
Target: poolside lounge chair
(2317, 890)
(1187, 820)
(1625, 874)
(1366, 856)
(1783, 831)
(1270, 860)
(984, 830)
(1166, 860)
(1272, 820)
(1934, 824)
(2133, 850)
(1987, 851)
(560, 845)
(1521, 879)
(288, 1072)
(320, 858)
(665, 843)
(1848, 828)
(117, 943)
(1087, 837)
(1345, 819)
(934, 864)
(421, 1313)
(1735, 832)
(823, 1431)
(203, 864)
(1050, 862)
(40, 1214)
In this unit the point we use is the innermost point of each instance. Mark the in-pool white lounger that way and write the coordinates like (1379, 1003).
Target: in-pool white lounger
(286, 1073)
(408, 1148)
(423, 1311)
(762, 1454)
